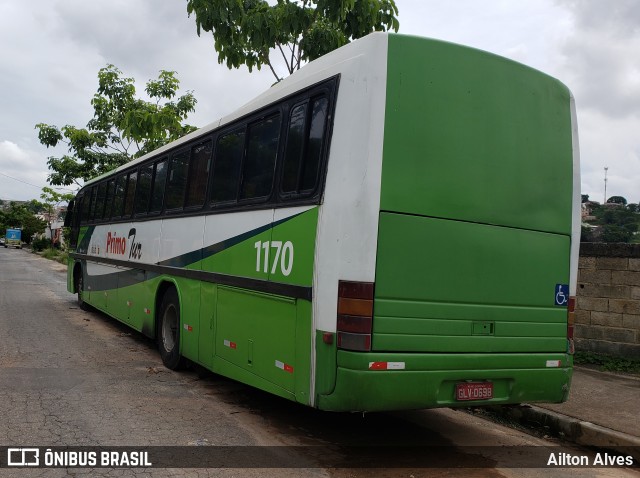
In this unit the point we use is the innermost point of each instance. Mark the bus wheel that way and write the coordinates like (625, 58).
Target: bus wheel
(169, 330)
(80, 288)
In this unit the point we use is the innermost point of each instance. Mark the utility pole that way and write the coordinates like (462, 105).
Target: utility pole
(605, 184)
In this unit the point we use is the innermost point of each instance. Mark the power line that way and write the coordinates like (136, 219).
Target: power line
(39, 187)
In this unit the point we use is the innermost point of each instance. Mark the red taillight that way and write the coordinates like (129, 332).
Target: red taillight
(355, 324)
(355, 315)
(571, 319)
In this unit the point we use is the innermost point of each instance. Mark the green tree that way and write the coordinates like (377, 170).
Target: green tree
(617, 200)
(123, 127)
(585, 198)
(51, 200)
(618, 225)
(249, 32)
(21, 217)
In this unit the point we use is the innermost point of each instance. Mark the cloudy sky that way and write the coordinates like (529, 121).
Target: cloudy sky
(51, 51)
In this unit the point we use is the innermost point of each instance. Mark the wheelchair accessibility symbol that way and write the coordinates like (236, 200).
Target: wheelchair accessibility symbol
(562, 294)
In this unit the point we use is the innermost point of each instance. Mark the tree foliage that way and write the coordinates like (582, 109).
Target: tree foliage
(248, 32)
(123, 127)
(617, 200)
(21, 216)
(615, 222)
(51, 200)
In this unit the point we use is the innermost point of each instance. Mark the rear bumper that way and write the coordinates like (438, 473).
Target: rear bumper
(429, 380)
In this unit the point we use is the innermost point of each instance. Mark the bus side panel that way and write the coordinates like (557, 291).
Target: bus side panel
(181, 245)
(256, 332)
(190, 325)
(262, 333)
(115, 304)
(130, 286)
(206, 337)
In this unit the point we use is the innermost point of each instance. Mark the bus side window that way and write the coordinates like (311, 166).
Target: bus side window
(143, 193)
(159, 182)
(177, 180)
(72, 219)
(86, 208)
(295, 148)
(226, 166)
(108, 206)
(92, 211)
(305, 141)
(118, 196)
(198, 174)
(130, 194)
(259, 165)
(317, 128)
(99, 209)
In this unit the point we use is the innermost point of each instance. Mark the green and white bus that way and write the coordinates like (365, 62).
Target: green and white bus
(394, 226)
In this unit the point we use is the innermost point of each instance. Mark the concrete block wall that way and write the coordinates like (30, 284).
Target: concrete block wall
(608, 299)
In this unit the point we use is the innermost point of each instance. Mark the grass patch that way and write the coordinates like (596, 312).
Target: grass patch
(608, 363)
(49, 253)
(55, 255)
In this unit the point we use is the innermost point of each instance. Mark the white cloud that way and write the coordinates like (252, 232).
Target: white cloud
(602, 55)
(21, 173)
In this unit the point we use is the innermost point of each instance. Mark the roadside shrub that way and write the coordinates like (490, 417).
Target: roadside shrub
(41, 244)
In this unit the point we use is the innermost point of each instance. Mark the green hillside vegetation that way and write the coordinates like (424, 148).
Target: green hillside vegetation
(614, 221)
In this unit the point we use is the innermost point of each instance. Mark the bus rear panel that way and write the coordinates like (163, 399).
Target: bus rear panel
(472, 282)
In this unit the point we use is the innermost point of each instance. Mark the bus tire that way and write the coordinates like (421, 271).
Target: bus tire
(80, 290)
(169, 330)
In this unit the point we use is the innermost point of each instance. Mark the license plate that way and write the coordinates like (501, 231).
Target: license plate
(474, 391)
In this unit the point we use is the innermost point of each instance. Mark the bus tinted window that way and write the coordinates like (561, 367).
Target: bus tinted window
(198, 174)
(118, 196)
(159, 181)
(99, 209)
(108, 205)
(130, 194)
(86, 204)
(177, 180)
(295, 146)
(304, 147)
(314, 148)
(143, 192)
(226, 166)
(259, 165)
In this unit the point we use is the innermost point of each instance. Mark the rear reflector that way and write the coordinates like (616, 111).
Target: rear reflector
(357, 342)
(355, 315)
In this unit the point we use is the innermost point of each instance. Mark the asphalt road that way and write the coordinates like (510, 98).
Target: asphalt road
(75, 378)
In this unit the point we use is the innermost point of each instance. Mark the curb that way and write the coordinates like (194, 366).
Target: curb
(574, 429)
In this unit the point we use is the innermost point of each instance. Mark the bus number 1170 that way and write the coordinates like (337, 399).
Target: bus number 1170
(283, 256)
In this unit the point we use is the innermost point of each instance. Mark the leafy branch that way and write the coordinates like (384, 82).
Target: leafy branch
(123, 127)
(248, 32)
